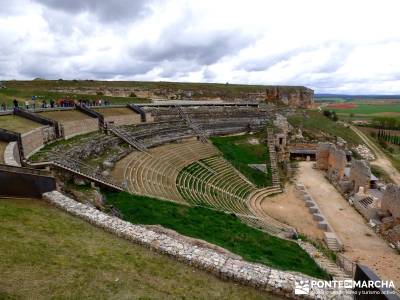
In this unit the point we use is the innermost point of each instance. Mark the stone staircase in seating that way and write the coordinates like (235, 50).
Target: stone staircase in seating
(199, 132)
(129, 139)
(272, 157)
(79, 168)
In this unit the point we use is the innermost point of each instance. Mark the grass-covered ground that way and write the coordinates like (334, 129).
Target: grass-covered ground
(371, 108)
(317, 126)
(23, 90)
(65, 115)
(17, 123)
(47, 254)
(23, 93)
(392, 151)
(240, 153)
(217, 228)
(114, 111)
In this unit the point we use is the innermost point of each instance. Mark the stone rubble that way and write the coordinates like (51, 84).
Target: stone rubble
(221, 265)
(364, 152)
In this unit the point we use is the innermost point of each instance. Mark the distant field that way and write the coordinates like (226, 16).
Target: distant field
(366, 108)
(48, 254)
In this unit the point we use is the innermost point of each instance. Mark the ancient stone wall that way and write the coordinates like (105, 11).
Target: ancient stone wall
(322, 156)
(35, 139)
(336, 163)
(360, 175)
(391, 201)
(206, 258)
(72, 128)
(332, 160)
(123, 119)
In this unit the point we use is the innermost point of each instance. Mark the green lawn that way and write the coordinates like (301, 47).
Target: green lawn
(239, 152)
(47, 254)
(217, 228)
(317, 125)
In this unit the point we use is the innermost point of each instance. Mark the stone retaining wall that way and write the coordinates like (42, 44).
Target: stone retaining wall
(222, 265)
(123, 119)
(360, 175)
(34, 140)
(72, 128)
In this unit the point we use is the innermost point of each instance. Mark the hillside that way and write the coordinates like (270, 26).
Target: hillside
(139, 91)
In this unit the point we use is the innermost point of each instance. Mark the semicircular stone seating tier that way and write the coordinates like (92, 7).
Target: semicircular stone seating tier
(195, 173)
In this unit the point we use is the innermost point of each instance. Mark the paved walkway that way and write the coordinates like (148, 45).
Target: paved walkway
(360, 242)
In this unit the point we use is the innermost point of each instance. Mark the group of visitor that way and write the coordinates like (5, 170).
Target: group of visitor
(52, 104)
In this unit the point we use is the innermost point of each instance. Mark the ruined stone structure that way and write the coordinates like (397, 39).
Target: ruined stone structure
(322, 156)
(332, 160)
(35, 139)
(71, 128)
(283, 128)
(391, 201)
(360, 175)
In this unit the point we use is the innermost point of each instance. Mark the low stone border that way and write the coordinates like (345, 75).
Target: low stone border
(224, 266)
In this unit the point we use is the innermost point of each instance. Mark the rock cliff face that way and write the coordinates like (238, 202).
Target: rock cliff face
(295, 96)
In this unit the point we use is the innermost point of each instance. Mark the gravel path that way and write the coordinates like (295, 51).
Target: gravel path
(381, 159)
(360, 242)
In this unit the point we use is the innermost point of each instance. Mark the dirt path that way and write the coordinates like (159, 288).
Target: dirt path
(381, 159)
(282, 207)
(360, 242)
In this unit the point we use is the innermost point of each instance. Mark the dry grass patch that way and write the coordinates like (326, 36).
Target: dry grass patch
(46, 253)
(114, 111)
(65, 115)
(17, 124)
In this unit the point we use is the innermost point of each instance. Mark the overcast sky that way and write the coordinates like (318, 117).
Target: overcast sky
(338, 46)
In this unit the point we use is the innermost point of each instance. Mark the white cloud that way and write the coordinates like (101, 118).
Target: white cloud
(331, 46)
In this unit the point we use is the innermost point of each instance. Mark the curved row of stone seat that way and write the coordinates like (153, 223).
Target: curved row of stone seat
(154, 173)
(215, 184)
(255, 200)
(160, 114)
(194, 173)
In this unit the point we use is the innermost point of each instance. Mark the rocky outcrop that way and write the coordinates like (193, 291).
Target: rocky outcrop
(293, 96)
(201, 256)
